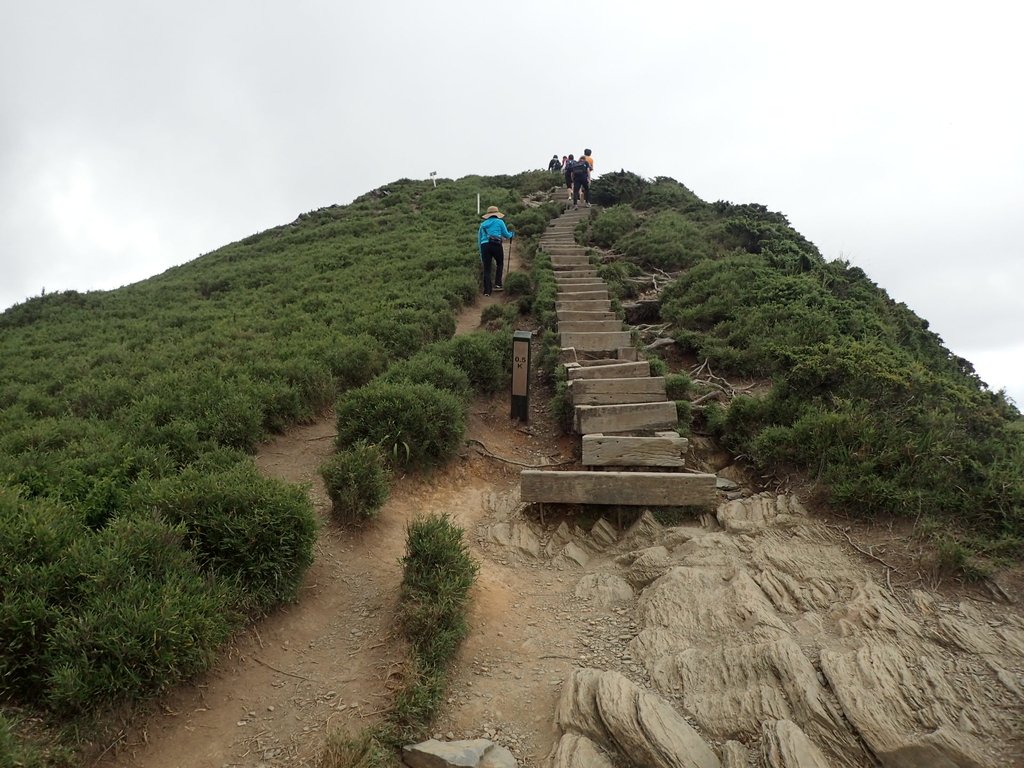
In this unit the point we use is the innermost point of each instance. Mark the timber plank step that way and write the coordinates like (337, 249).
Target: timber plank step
(633, 417)
(569, 316)
(600, 305)
(611, 325)
(605, 391)
(600, 450)
(575, 274)
(583, 295)
(660, 489)
(599, 286)
(593, 342)
(612, 369)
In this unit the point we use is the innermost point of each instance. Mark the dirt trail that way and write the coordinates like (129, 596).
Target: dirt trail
(328, 660)
(760, 622)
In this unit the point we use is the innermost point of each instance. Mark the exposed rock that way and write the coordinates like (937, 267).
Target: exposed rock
(644, 532)
(909, 711)
(606, 590)
(572, 555)
(498, 757)
(871, 609)
(689, 604)
(575, 751)
(756, 513)
(446, 754)
(517, 536)
(648, 565)
(734, 690)
(613, 712)
(675, 537)
(784, 745)
(735, 755)
(603, 534)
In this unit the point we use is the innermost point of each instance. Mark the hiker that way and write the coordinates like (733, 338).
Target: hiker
(568, 172)
(580, 180)
(564, 161)
(590, 160)
(492, 231)
(553, 165)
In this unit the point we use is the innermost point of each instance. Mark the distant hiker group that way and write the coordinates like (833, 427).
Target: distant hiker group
(577, 175)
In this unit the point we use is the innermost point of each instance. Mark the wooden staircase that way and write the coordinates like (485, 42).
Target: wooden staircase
(621, 412)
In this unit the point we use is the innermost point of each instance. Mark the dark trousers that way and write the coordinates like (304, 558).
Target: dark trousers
(578, 183)
(492, 252)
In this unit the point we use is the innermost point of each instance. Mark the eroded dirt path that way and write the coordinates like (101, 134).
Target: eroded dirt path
(329, 660)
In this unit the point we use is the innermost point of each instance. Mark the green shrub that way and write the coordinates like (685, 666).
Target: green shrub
(357, 482)
(518, 284)
(612, 224)
(485, 357)
(678, 386)
(416, 424)
(252, 532)
(146, 618)
(427, 368)
(438, 574)
(667, 240)
(658, 366)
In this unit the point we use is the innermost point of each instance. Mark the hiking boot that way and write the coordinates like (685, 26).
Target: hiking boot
(498, 288)
(575, 207)
(588, 205)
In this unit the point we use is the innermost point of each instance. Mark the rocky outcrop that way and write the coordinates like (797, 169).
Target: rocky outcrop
(472, 753)
(612, 712)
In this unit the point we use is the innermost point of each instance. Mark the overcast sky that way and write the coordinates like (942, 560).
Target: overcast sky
(135, 136)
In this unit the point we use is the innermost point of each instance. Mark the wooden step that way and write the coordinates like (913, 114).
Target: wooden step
(569, 316)
(574, 260)
(590, 326)
(639, 417)
(584, 273)
(665, 450)
(613, 370)
(582, 296)
(596, 342)
(595, 305)
(584, 286)
(641, 389)
(656, 489)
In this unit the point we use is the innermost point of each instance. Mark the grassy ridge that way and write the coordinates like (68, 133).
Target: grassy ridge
(865, 399)
(135, 532)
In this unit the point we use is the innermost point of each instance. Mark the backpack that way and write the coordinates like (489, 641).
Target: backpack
(580, 169)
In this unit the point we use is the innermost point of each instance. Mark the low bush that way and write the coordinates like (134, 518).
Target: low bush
(518, 284)
(414, 424)
(439, 573)
(678, 386)
(252, 532)
(427, 368)
(612, 224)
(485, 357)
(358, 482)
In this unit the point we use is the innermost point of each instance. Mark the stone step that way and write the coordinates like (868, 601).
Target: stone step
(614, 369)
(657, 489)
(639, 417)
(665, 450)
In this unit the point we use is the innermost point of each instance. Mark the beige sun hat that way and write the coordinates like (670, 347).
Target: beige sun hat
(493, 211)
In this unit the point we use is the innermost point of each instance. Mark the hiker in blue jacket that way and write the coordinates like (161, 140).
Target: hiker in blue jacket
(492, 231)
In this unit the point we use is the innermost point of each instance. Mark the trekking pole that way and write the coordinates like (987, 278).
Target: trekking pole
(508, 261)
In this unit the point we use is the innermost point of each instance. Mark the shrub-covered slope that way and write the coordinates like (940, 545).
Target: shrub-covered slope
(135, 532)
(865, 399)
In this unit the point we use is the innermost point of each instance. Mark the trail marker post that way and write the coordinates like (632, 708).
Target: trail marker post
(433, 178)
(521, 375)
